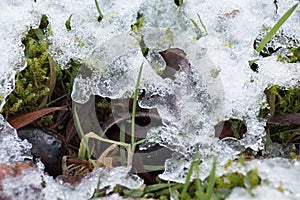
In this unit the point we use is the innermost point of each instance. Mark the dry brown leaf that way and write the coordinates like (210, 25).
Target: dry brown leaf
(104, 159)
(235, 11)
(25, 119)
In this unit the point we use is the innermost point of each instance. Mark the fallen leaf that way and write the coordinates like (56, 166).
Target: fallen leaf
(284, 120)
(175, 59)
(235, 11)
(25, 119)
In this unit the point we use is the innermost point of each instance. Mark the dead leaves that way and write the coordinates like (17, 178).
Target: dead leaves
(27, 118)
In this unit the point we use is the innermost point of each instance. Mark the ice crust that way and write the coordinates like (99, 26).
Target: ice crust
(28, 185)
(190, 111)
(12, 148)
(111, 54)
(15, 19)
(275, 173)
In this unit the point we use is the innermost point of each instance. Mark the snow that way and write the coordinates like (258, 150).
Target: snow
(190, 105)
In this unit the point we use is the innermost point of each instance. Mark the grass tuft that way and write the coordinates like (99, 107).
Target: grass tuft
(275, 28)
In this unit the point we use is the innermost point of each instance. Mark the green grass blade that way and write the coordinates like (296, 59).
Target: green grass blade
(82, 154)
(275, 28)
(168, 190)
(199, 189)
(180, 2)
(84, 148)
(134, 108)
(122, 148)
(159, 186)
(211, 181)
(202, 24)
(198, 30)
(194, 23)
(132, 193)
(154, 167)
(93, 163)
(97, 192)
(68, 23)
(100, 17)
(140, 141)
(187, 181)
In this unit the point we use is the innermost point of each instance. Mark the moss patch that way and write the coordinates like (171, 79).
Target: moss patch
(42, 81)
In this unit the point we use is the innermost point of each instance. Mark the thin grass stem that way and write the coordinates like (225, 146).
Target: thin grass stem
(133, 144)
(84, 140)
(276, 28)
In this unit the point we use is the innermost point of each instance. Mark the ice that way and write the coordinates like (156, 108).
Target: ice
(114, 197)
(275, 173)
(87, 186)
(220, 85)
(261, 192)
(28, 185)
(15, 19)
(86, 32)
(191, 105)
(12, 148)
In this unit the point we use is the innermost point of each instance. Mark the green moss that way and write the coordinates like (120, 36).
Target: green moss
(252, 179)
(33, 84)
(178, 2)
(214, 72)
(68, 23)
(230, 180)
(294, 156)
(79, 41)
(242, 159)
(293, 55)
(227, 182)
(281, 101)
(228, 164)
(139, 22)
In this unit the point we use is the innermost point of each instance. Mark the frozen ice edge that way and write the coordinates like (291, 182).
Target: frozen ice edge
(233, 63)
(28, 185)
(275, 173)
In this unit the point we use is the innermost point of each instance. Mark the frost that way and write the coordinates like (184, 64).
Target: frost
(261, 193)
(218, 85)
(21, 17)
(28, 185)
(86, 32)
(275, 173)
(114, 197)
(191, 105)
(87, 186)
(12, 148)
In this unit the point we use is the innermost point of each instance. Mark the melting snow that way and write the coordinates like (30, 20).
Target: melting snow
(112, 57)
(28, 185)
(12, 148)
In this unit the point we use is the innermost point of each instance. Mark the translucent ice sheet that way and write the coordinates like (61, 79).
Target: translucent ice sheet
(15, 18)
(220, 85)
(12, 148)
(28, 185)
(275, 173)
